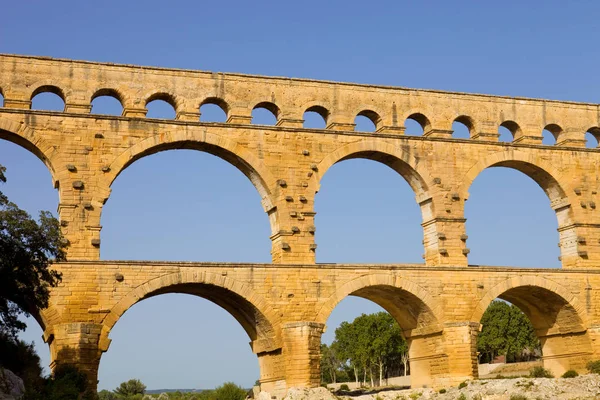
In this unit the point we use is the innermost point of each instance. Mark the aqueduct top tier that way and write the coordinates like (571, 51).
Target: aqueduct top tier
(86, 152)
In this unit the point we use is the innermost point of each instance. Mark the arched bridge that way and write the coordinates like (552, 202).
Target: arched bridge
(283, 306)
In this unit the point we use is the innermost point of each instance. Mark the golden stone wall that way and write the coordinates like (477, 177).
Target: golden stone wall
(283, 306)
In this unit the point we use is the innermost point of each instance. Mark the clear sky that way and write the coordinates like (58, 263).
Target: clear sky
(366, 212)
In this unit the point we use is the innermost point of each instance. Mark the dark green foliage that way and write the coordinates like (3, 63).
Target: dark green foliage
(594, 367)
(442, 391)
(463, 385)
(518, 397)
(570, 374)
(540, 372)
(106, 395)
(20, 358)
(345, 387)
(506, 331)
(67, 383)
(130, 388)
(27, 248)
(229, 391)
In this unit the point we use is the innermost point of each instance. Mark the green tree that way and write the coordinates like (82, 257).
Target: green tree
(506, 331)
(372, 345)
(127, 390)
(330, 364)
(106, 395)
(229, 391)
(28, 249)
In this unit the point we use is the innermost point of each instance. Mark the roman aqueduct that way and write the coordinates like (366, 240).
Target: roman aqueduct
(283, 306)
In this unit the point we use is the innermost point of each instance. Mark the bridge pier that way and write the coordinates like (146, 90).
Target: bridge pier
(302, 352)
(80, 344)
(563, 352)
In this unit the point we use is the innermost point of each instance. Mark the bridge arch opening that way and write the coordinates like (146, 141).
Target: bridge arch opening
(26, 169)
(462, 127)
(315, 117)
(185, 321)
(363, 310)
(592, 138)
(551, 134)
(508, 131)
(358, 209)
(1, 98)
(157, 212)
(48, 98)
(556, 321)
(416, 124)
(265, 113)
(214, 109)
(511, 228)
(107, 102)
(161, 106)
(367, 121)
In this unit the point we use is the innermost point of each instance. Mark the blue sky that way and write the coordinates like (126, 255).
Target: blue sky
(542, 49)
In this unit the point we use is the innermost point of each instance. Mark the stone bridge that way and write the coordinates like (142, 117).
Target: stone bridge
(283, 306)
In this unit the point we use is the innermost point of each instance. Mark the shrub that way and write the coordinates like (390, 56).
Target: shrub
(540, 372)
(344, 387)
(463, 384)
(594, 367)
(461, 397)
(442, 391)
(570, 374)
(518, 397)
(415, 395)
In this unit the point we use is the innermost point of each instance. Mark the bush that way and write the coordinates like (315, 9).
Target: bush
(540, 372)
(461, 397)
(594, 367)
(442, 391)
(570, 374)
(463, 385)
(344, 387)
(518, 397)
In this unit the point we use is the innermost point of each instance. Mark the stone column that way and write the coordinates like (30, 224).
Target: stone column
(302, 353)
(80, 344)
(272, 373)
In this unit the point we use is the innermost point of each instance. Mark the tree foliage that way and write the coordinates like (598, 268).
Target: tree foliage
(129, 389)
(506, 331)
(370, 347)
(28, 248)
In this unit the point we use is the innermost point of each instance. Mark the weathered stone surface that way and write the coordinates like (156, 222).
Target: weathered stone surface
(283, 306)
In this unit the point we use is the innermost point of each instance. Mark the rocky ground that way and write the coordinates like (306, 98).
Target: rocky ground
(581, 387)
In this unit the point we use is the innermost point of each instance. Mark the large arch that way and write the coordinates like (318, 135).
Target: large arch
(411, 305)
(544, 174)
(22, 135)
(399, 159)
(216, 145)
(559, 320)
(550, 181)
(259, 321)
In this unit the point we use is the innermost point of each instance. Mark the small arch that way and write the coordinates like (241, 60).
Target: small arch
(214, 109)
(161, 106)
(508, 130)
(367, 121)
(550, 134)
(48, 98)
(315, 117)
(592, 138)
(265, 113)
(417, 124)
(462, 127)
(107, 102)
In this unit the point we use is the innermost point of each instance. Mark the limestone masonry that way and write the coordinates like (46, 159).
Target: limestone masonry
(283, 306)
